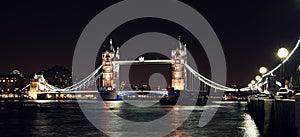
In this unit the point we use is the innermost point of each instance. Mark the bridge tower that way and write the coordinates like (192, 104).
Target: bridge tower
(110, 71)
(107, 66)
(178, 67)
(37, 84)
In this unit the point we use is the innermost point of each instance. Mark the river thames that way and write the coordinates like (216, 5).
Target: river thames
(230, 120)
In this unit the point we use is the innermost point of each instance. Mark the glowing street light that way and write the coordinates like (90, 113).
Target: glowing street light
(282, 54)
(263, 70)
(253, 82)
(258, 78)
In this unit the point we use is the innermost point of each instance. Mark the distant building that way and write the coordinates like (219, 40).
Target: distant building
(58, 76)
(12, 82)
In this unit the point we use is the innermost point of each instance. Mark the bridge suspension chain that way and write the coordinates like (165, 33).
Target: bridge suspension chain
(83, 81)
(207, 81)
(91, 81)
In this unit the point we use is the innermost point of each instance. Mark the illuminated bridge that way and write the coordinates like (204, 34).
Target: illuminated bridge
(105, 78)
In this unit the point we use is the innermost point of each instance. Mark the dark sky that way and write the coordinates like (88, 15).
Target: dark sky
(37, 35)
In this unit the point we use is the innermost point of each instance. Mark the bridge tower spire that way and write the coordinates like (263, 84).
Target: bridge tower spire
(178, 68)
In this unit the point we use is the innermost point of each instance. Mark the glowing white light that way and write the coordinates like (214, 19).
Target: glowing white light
(258, 78)
(253, 82)
(263, 70)
(282, 53)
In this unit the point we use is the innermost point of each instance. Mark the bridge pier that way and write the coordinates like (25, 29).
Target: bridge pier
(109, 95)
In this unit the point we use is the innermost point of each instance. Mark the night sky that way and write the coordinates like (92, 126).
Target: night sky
(37, 35)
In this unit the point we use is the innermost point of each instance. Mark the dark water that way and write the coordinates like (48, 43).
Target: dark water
(230, 120)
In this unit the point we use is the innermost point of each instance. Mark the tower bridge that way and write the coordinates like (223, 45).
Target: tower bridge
(106, 78)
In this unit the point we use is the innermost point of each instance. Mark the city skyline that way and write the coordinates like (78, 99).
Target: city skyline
(37, 36)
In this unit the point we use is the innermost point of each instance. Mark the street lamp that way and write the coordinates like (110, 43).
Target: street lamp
(282, 54)
(263, 70)
(258, 78)
(253, 82)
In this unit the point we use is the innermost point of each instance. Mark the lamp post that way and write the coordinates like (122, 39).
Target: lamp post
(253, 82)
(282, 54)
(263, 70)
(258, 78)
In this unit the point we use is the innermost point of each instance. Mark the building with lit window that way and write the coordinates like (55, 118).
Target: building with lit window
(58, 76)
(12, 82)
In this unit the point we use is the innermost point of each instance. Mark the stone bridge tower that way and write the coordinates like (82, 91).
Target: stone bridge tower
(37, 84)
(178, 67)
(110, 77)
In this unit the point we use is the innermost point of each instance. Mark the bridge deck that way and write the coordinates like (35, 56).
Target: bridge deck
(94, 91)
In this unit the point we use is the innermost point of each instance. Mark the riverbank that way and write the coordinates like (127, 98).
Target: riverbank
(276, 117)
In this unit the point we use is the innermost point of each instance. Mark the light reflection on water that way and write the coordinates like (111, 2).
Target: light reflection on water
(249, 127)
(230, 120)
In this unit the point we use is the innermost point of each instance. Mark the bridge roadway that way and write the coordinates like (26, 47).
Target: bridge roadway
(144, 61)
(94, 91)
(118, 92)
